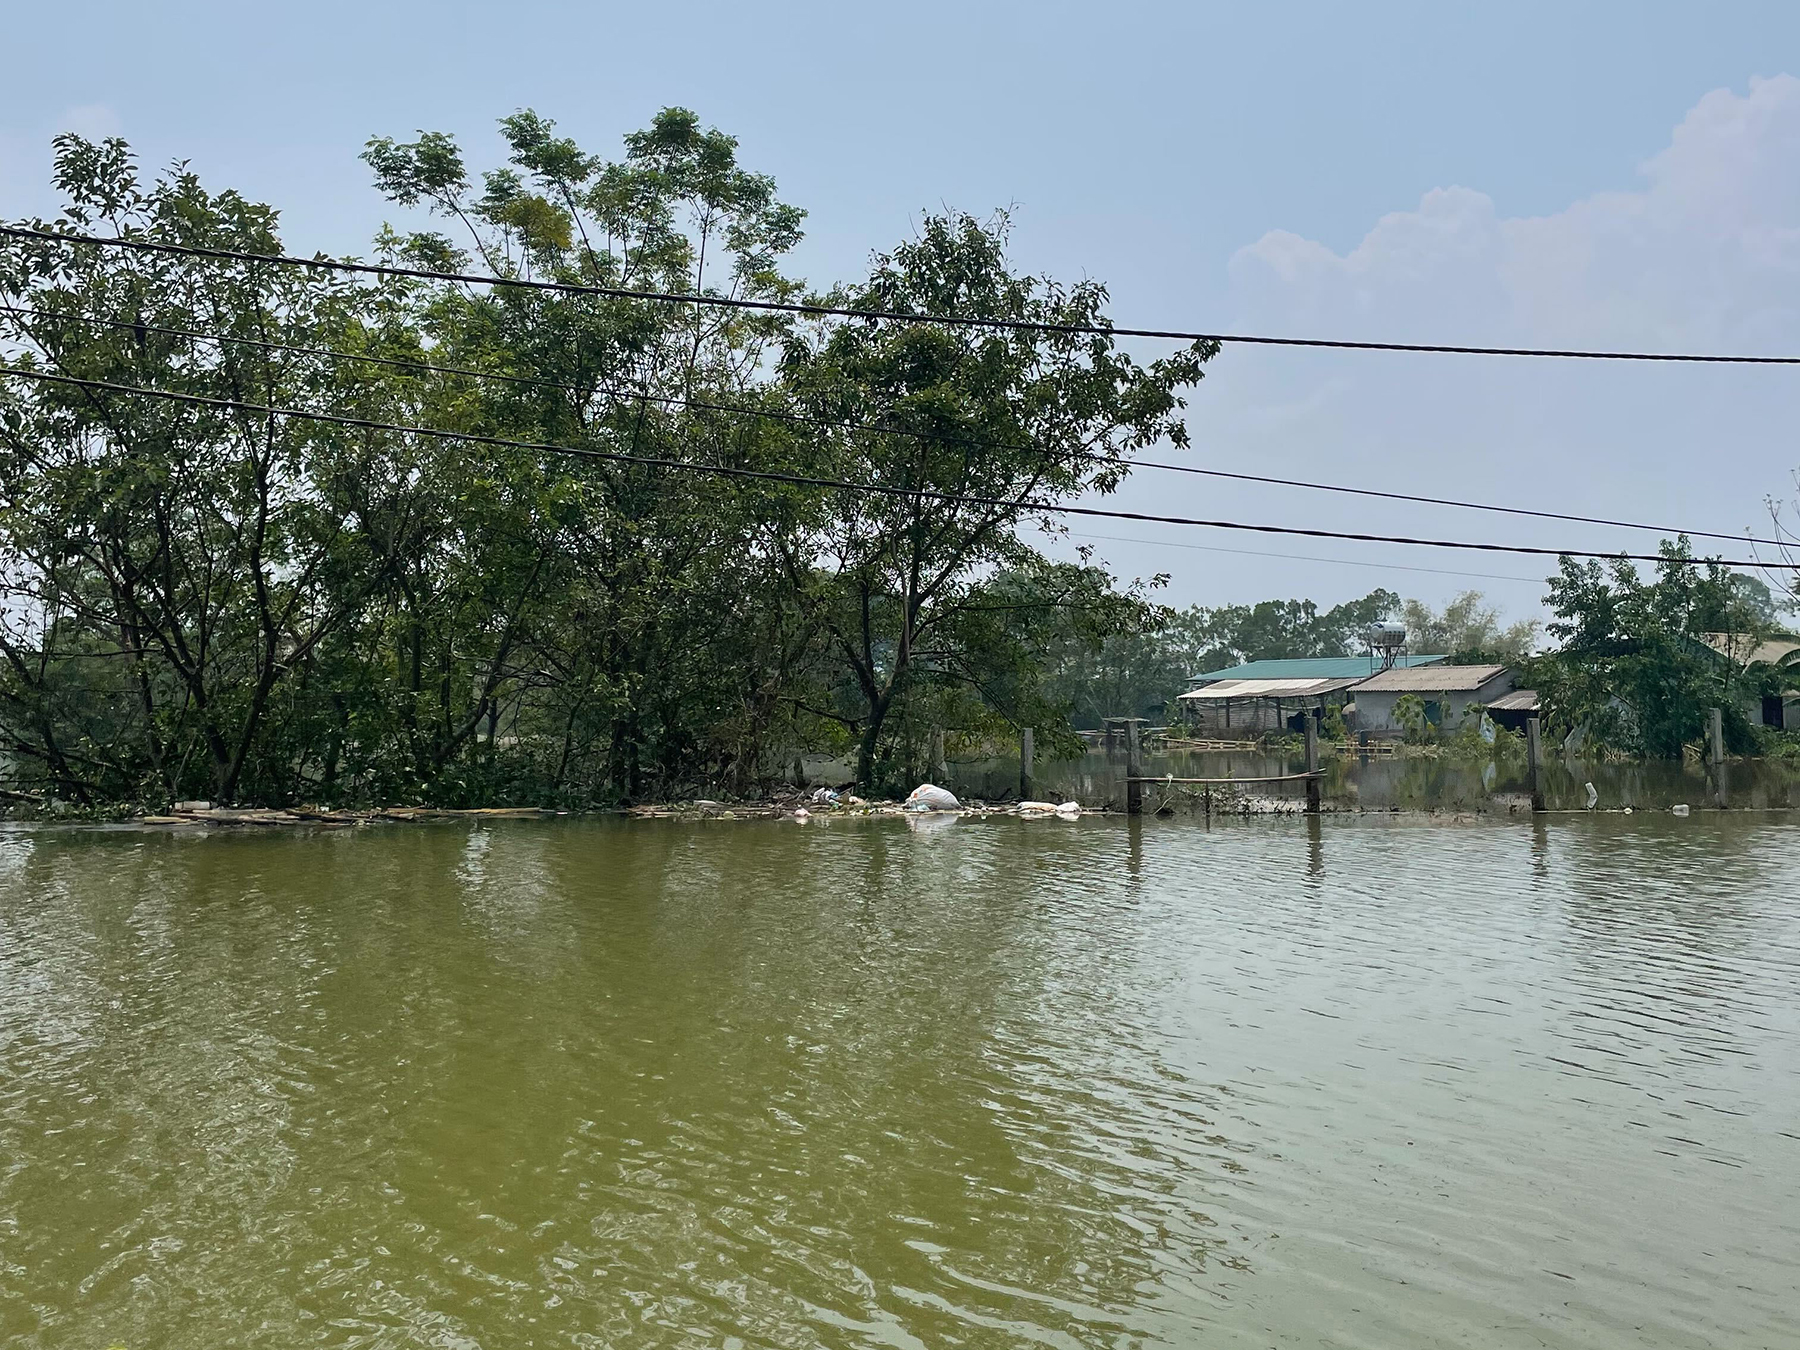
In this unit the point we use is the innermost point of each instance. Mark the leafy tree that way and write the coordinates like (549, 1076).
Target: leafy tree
(1632, 667)
(1148, 666)
(644, 558)
(989, 426)
(1468, 630)
(173, 570)
(1128, 674)
(1275, 629)
(213, 599)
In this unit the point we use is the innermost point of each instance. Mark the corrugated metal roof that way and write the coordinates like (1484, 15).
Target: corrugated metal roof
(1309, 668)
(1519, 700)
(1742, 648)
(1268, 689)
(1434, 679)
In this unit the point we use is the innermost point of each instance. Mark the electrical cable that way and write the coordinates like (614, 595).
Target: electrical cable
(881, 489)
(1303, 557)
(804, 419)
(814, 310)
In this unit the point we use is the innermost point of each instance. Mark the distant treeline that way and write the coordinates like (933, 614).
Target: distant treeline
(1633, 660)
(1147, 668)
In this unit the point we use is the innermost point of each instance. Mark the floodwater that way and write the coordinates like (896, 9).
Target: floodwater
(1409, 782)
(593, 1083)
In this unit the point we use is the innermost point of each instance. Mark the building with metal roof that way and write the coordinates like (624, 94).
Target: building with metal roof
(1512, 710)
(1248, 707)
(1450, 695)
(1310, 668)
(1275, 695)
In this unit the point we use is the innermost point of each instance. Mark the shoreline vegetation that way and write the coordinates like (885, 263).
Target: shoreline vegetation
(271, 536)
(817, 804)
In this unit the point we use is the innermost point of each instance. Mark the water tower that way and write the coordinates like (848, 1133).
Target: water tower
(1387, 643)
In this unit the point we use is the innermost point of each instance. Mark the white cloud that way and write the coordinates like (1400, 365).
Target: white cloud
(1704, 255)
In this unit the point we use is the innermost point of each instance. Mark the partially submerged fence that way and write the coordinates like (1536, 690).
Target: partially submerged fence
(1135, 779)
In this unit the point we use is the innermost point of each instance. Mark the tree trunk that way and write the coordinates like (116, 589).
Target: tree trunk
(871, 735)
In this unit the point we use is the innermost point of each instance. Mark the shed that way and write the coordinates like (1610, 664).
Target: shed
(1271, 695)
(1447, 692)
(1261, 705)
(1513, 710)
(1310, 668)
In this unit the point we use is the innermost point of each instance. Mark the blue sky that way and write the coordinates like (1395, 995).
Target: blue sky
(1617, 174)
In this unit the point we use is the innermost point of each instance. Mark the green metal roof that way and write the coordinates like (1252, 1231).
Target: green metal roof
(1310, 668)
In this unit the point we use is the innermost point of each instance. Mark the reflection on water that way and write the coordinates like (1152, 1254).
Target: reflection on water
(1415, 783)
(1103, 1083)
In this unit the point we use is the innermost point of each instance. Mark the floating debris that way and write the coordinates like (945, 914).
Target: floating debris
(930, 797)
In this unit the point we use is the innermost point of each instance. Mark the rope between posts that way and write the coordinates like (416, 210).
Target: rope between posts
(1279, 778)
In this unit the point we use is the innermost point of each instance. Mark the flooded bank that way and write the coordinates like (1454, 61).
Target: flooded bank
(991, 1082)
(1415, 782)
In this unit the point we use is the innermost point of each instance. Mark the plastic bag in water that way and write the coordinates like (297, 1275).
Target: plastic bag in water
(928, 797)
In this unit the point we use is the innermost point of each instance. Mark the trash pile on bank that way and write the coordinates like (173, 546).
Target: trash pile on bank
(928, 799)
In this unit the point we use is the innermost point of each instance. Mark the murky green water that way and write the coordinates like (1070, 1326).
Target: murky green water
(1411, 783)
(994, 1083)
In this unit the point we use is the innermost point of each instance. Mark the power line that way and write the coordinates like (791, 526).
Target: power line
(804, 419)
(1745, 538)
(881, 489)
(836, 311)
(1304, 557)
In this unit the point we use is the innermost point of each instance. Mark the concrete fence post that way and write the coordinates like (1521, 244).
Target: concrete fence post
(1134, 771)
(1534, 760)
(1315, 790)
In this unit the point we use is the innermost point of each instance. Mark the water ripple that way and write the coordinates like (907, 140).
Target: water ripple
(577, 1083)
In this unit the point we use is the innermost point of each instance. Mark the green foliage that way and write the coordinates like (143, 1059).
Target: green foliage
(209, 602)
(915, 592)
(1468, 631)
(1409, 712)
(1275, 629)
(1139, 671)
(1332, 726)
(1633, 669)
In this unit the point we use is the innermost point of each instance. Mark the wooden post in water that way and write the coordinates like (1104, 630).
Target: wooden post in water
(1715, 751)
(1534, 760)
(1315, 789)
(1134, 770)
(1026, 749)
